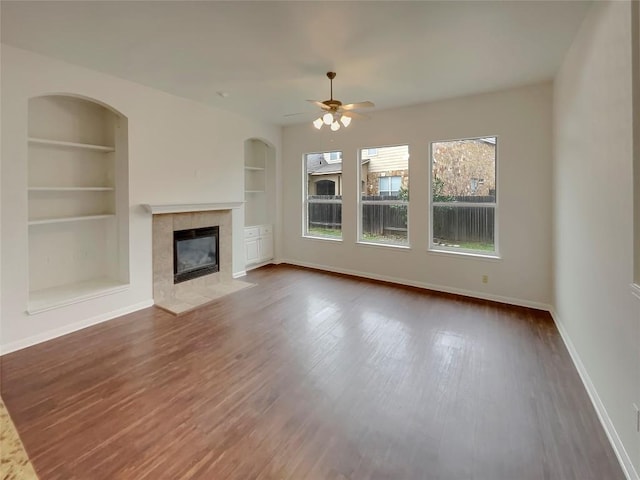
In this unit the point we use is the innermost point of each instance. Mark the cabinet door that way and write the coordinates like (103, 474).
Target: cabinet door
(251, 250)
(266, 248)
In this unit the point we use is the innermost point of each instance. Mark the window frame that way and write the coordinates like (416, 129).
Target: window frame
(359, 202)
(440, 249)
(306, 201)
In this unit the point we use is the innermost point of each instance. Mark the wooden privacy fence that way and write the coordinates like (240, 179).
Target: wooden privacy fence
(376, 219)
(325, 215)
(450, 221)
(464, 224)
(383, 219)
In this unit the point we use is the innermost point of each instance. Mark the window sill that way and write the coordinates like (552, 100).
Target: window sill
(324, 239)
(480, 256)
(635, 290)
(384, 245)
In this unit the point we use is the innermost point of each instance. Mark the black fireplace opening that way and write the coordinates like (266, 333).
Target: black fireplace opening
(195, 253)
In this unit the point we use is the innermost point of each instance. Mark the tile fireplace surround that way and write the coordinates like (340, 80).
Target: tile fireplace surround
(185, 296)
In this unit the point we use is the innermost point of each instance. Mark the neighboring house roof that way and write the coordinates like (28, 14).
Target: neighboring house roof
(327, 168)
(322, 168)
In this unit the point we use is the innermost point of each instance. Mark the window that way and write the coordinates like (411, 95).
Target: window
(463, 195)
(389, 186)
(323, 195)
(384, 198)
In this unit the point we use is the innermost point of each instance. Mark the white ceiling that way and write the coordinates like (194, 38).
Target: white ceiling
(271, 56)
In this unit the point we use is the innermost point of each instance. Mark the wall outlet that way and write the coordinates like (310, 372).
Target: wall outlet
(637, 410)
(485, 278)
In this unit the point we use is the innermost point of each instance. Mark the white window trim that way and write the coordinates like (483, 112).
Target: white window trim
(431, 247)
(359, 202)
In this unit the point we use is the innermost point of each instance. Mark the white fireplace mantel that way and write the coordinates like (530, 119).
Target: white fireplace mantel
(156, 209)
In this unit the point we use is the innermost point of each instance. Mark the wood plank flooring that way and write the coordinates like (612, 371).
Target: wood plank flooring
(310, 375)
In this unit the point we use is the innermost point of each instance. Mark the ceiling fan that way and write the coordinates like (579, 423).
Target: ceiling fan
(335, 112)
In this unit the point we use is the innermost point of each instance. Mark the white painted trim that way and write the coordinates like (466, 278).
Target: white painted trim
(362, 243)
(241, 273)
(428, 286)
(156, 209)
(635, 290)
(448, 252)
(258, 265)
(617, 445)
(74, 327)
(322, 239)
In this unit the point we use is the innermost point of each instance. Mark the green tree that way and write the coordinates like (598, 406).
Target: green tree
(437, 189)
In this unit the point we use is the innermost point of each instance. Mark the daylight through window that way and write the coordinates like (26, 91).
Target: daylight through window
(384, 195)
(463, 195)
(323, 195)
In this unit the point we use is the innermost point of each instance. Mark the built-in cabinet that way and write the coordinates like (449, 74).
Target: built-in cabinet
(259, 189)
(258, 244)
(78, 201)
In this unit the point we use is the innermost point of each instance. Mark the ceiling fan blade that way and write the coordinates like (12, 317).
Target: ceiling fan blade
(353, 114)
(299, 113)
(319, 104)
(353, 106)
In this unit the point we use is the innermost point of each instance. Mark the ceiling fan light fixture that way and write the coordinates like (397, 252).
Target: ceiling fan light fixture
(336, 114)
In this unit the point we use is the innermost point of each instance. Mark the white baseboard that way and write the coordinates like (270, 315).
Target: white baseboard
(258, 265)
(241, 273)
(605, 420)
(73, 327)
(427, 286)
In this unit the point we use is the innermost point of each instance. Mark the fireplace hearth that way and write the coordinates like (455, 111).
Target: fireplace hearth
(215, 282)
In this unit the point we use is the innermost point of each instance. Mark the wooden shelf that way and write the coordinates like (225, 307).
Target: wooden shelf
(254, 169)
(46, 221)
(56, 297)
(58, 143)
(71, 189)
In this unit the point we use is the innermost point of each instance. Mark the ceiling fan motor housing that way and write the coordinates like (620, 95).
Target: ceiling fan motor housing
(333, 104)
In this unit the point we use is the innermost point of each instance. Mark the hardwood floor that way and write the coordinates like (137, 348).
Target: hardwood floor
(310, 376)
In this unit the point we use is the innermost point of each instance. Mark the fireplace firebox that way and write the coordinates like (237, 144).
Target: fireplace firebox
(195, 253)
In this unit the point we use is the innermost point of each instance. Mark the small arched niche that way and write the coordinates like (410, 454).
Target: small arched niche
(78, 200)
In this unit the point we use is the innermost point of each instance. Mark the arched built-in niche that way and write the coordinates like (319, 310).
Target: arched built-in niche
(78, 201)
(259, 198)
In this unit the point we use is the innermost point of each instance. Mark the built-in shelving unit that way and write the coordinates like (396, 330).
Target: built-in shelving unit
(57, 143)
(47, 221)
(78, 201)
(254, 178)
(71, 189)
(259, 188)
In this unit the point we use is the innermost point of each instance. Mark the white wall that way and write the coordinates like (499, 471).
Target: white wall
(593, 220)
(179, 152)
(521, 118)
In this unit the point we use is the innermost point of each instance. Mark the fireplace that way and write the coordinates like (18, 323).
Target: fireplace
(195, 253)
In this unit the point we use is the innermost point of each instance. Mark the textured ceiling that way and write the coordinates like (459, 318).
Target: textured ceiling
(271, 56)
